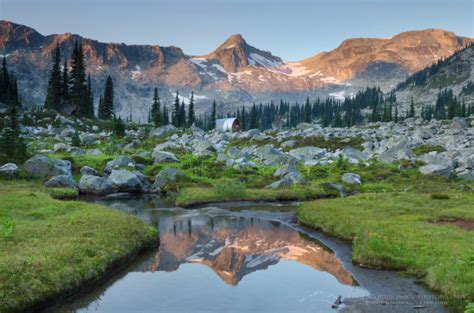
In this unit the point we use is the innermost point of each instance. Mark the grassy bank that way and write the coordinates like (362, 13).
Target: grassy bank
(399, 231)
(50, 247)
(199, 195)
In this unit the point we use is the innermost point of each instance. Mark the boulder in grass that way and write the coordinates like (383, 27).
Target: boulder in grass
(43, 166)
(61, 181)
(95, 185)
(165, 176)
(444, 170)
(351, 179)
(9, 171)
(282, 183)
(87, 170)
(164, 157)
(120, 162)
(125, 181)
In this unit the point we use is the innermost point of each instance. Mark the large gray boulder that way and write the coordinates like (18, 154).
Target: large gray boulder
(43, 166)
(307, 153)
(163, 157)
(167, 175)
(125, 181)
(295, 177)
(270, 156)
(444, 170)
(61, 147)
(164, 131)
(9, 171)
(466, 174)
(95, 185)
(284, 169)
(282, 183)
(204, 148)
(351, 179)
(397, 152)
(61, 181)
(121, 162)
(87, 170)
(235, 153)
(354, 154)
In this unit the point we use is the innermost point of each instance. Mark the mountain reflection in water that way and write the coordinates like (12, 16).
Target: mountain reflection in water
(234, 247)
(222, 258)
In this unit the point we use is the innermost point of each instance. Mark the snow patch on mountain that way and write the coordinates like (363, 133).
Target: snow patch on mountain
(136, 73)
(256, 59)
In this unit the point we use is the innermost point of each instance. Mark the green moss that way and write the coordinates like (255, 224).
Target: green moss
(56, 246)
(394, 230)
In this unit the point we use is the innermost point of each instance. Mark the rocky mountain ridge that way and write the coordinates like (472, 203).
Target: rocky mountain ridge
(234, 73)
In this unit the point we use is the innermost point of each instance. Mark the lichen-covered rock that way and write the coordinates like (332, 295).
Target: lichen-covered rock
(9, 171)
(125, 181)
(351, 179)
(43, 166)
(166, 176)
(95, 185)
(61, 181)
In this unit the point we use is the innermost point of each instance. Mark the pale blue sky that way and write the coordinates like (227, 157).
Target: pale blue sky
(291, 29)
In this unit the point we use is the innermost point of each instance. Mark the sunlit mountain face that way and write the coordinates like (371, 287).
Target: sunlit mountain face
(235, 73)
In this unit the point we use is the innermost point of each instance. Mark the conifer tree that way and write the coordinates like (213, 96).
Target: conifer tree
(89, 106)
(156, 109)
(53, 96)
(79, 93)
(11, 142)
(191, 114)
(108, 100)
(118, 126)
(65, 84)
(175, 113)
(307, 111)
(253, 117)
(213, 115)
(182, 115)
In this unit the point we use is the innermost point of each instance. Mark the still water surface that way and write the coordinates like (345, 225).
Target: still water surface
(241, 257)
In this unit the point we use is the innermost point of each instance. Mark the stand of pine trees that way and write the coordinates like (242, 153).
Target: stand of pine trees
(70, 87)
(12, 146)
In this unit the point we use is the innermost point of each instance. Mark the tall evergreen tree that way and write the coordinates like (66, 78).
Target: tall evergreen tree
(191, 114)
(253, 117)
(65, 85)
(108, 101)
(89, 109)
(156, 109)
(307, 111)
(11, 142)
(213, 115)
(53, 96)
(175, 113)
(182, 115)
(79, 93)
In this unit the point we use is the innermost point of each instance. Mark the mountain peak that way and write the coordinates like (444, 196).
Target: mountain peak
(233, 41)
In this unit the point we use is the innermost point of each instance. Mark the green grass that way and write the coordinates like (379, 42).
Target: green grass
(395, 230)
(199, 195)
(50, 247)
(423, 149)
(63, 193)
